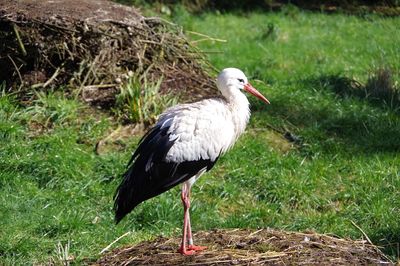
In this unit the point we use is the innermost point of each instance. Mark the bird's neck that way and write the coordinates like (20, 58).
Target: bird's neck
(239, 107)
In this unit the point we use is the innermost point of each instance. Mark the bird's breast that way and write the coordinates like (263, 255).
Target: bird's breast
(201, 132)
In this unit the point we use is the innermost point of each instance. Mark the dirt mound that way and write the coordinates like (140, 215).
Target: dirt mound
(93, 46)
(245, 247)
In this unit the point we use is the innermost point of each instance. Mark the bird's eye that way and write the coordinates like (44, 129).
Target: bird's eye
(241, 80)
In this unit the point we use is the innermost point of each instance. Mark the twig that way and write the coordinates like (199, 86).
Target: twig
(87, 75)
(364, 234)
(115, 241)
(164, 243)
(21, 45)
(206, 37)
(52, 78)
(256, 232)
(37, 85)
(16, 68)
(152, 42)
(200, 40)
(159, 20)
(207, 52)
(50, 26)
(88, 87)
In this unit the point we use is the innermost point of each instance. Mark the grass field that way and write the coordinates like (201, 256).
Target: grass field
(342, 169)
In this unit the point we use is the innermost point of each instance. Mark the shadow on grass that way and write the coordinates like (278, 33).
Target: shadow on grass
(389, 241)
(335, 110)
(379, 90)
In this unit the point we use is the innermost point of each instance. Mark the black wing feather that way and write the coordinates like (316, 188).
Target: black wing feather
(149, 174)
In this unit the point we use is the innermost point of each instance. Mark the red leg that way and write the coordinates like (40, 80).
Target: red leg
(186, 205)
(187, 247)
(189, 235)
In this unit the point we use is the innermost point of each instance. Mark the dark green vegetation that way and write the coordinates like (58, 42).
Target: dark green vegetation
(317, 70)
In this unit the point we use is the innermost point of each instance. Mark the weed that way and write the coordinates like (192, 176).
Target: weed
(141, 101)
(62, 254)
(380, 86)
(52, 107)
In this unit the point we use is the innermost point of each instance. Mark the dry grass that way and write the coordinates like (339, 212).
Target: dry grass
(380, 86)
(245, 247)
(92, 47)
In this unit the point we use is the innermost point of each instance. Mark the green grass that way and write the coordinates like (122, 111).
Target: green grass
(56, 191)
(140, 101)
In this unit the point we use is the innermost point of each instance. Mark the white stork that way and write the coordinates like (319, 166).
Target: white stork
(185, 142)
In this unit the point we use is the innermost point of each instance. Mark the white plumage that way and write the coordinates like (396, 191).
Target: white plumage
(199, 133)
(208, 128)
(185, 142)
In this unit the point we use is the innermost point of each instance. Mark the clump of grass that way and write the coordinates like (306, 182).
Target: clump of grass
(2, 88)
(63, 256)
(9, 113)
(140, 100)
(270, 32)
(380, 86)
(52, 107)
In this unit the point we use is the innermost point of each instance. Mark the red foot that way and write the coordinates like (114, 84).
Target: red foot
(191, 250)
(186, 252)
(196, 248)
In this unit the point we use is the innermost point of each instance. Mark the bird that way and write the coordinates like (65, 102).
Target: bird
(184, 143)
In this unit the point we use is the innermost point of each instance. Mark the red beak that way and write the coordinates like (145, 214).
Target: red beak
(255, 92)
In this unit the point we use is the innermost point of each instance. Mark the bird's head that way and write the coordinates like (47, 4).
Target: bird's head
(233, 79)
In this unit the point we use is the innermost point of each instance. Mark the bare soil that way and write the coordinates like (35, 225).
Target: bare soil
(247, 247)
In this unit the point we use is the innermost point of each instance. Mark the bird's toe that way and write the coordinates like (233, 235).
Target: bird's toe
(186, 252)
(196, 248)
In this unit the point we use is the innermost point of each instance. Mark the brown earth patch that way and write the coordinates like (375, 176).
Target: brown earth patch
(92, 47)
(246, 247)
